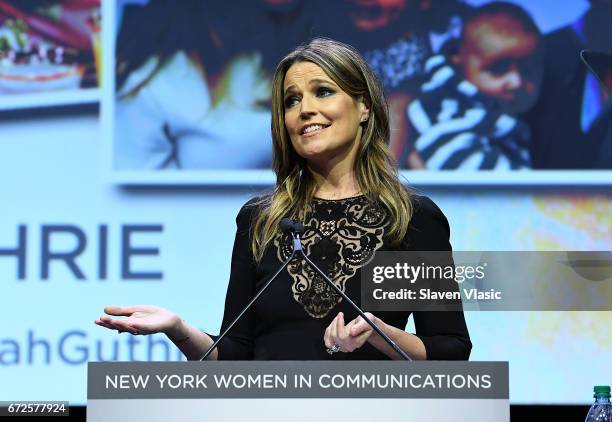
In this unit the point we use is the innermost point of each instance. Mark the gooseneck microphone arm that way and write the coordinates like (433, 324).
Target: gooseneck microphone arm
(295, 229)
(297, 247)
(286, 226)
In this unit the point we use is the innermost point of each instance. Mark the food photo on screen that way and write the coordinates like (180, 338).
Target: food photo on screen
(49, 46)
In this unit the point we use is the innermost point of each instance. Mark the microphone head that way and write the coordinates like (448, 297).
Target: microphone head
(287, 225)
(298, 227)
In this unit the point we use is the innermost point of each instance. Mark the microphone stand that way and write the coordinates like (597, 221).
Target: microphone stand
(297, 247)
(295, 229)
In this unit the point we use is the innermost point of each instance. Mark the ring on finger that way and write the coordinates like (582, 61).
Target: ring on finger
(335, 348)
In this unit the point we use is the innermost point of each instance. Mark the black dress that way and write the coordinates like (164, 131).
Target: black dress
(289, 320)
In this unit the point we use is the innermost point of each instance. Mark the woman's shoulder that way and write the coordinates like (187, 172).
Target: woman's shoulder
(426, 211)
(428, 228)
(251, 208)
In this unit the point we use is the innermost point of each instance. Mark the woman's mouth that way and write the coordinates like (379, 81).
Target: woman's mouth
(312, 130)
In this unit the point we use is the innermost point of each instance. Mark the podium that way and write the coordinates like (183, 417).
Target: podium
(298, 391)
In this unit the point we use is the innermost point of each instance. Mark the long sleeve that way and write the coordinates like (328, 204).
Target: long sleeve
(238, 344)
(444, 333)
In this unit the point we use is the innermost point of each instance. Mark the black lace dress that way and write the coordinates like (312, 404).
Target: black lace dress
(289, 320)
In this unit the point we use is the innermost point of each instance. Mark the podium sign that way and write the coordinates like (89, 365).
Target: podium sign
(298, 391)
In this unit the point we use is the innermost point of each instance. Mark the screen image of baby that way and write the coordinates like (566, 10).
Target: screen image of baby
(466, 116)
(500, 53)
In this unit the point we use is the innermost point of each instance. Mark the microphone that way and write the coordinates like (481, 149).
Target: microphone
(295, 229)
(289, 227)
(299, 228)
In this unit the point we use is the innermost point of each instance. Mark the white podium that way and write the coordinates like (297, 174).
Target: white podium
(298, 391)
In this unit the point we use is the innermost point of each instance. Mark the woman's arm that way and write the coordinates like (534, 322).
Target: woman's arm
(192, 342)
(408, 342)
(440, 335)
(444, 333)
(149, 319)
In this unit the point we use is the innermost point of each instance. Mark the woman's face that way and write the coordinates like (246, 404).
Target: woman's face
(322, 121)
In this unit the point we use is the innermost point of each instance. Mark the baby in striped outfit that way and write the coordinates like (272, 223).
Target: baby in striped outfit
(466, 114)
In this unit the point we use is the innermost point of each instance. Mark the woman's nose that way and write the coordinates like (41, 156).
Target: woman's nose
(307, 108)
(306, 114)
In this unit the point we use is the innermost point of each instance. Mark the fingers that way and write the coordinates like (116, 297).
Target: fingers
(341, 331)
(358, 327)
(103, 324)
(335, 332)
(354, 343)
(361, 325)
(121, 324)
(109, 326)
(327, 337)
(361, 339)
(347, 337)
(119, 310)
(108, 322)
(106, 319)
(331, 332)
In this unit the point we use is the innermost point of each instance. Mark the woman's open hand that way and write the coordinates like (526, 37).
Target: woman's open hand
(141, 319)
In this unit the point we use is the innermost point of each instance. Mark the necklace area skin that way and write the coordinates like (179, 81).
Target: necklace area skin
(327, 196)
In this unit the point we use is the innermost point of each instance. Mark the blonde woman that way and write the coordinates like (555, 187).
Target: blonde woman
(330, 131)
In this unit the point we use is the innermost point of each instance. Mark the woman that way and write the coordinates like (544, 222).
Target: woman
(334, 172)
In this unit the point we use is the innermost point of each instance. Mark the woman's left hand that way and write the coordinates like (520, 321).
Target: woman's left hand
(351, 336)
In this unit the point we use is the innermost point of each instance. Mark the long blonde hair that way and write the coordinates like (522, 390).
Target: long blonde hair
(375, 168)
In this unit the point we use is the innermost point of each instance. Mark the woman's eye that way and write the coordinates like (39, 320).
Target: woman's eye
(290, 101)
(324, 92)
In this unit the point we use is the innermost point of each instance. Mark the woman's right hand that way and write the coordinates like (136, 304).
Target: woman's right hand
(141, 319)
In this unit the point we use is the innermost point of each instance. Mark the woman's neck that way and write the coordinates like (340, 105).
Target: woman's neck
(336, 183)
